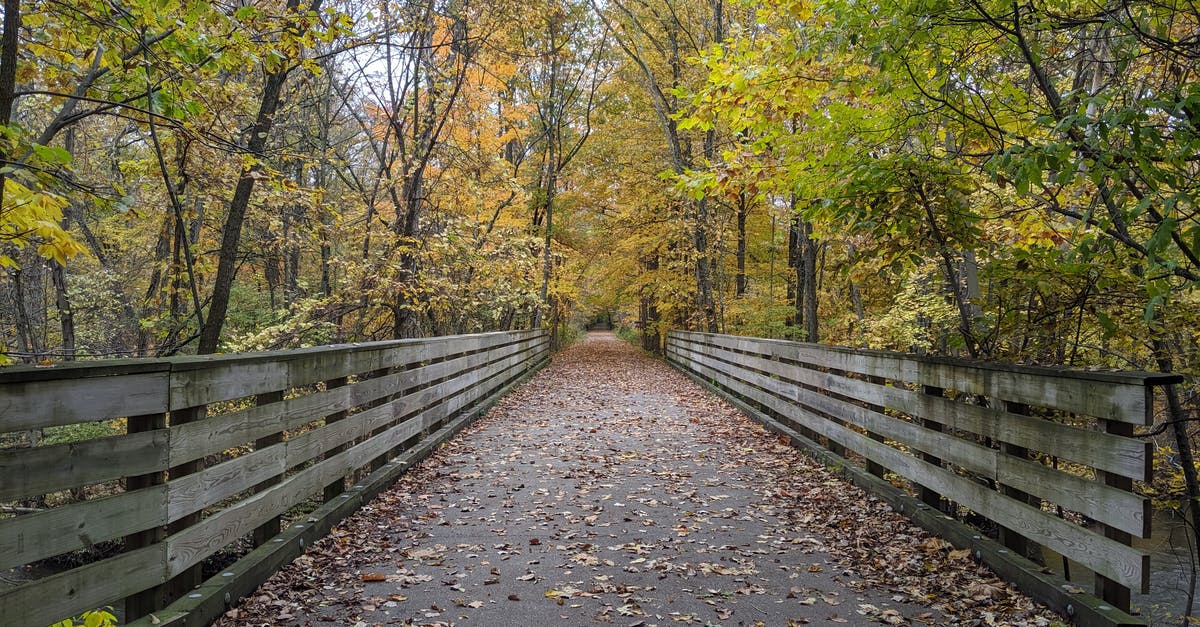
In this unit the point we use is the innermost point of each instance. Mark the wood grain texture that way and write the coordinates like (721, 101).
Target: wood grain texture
(35, 471)
(32, 537)
(218, 433)
(211, 485)
(1123, 377)
(224, 431)
(1103, 395)
(209, 379)
(455, 375)
(1031, 578)
(255, 568)
(50, 403)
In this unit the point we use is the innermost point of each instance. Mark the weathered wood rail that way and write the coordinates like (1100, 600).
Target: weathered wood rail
(302, 423)
(1011, 444)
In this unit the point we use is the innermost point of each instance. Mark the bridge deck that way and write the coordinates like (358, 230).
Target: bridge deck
(612, 489)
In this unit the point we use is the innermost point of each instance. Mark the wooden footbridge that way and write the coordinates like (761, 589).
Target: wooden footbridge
(257, 456)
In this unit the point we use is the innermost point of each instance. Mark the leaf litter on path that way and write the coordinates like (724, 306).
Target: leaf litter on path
(611, 489)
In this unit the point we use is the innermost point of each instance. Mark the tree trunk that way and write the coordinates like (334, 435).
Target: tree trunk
(430, 112)
(704, 275)
(809, 293)
(30, 293)
(8, 73)
(857, 302)
(951, 272)
(293, 215)
(802, 257)
(795, 319)
(704, 282)
(66, 317)
(740, 279)
(648, 317)
(550, 119)
(231, 233)
(547, 255)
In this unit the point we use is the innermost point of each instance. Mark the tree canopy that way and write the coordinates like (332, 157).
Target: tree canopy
(991, 179)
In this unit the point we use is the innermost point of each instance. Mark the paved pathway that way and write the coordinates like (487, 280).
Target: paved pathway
(611, 489)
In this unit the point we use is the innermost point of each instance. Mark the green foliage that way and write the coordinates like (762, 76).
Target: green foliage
(82, 431)
(629, 334)
(33, 217)
(920, 318)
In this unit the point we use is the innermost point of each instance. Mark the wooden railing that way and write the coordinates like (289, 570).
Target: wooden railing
(215, 452)
(1016, 445)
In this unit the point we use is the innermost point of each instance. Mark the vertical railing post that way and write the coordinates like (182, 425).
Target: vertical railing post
(830, 443)
(378, 462)
(929, 496)
(153, 599)
(190, 577)
(269, 529)
(336, 487)
(1016, 542)
(1107, 589)
(879, 470)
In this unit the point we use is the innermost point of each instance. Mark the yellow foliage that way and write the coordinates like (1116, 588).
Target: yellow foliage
(29, 217)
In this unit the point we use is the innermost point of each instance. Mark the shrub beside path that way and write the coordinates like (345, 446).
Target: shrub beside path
(612, 489)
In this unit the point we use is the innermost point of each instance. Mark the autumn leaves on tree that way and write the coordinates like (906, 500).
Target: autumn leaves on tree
(996, 180)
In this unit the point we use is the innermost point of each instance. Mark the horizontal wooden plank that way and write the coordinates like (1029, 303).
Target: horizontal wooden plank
(1119, 508)
(191, 545)
(1065, 390)
(1124, 564)
(211, 485)
(309, 445)
(34, 471)
(308, 366)
(35, 400)
(439, 348)
(75, 370)
(226, 380)
(32, 398)
(70, 593)
(252, 570)
(1128, 457)
(200, 380)
(1122, 377)
(32, 537)
(194, 492)
(36, 404)
(217, 433)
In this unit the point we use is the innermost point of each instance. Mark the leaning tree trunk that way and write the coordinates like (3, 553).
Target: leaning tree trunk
(231, 233)
(1183, 443)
